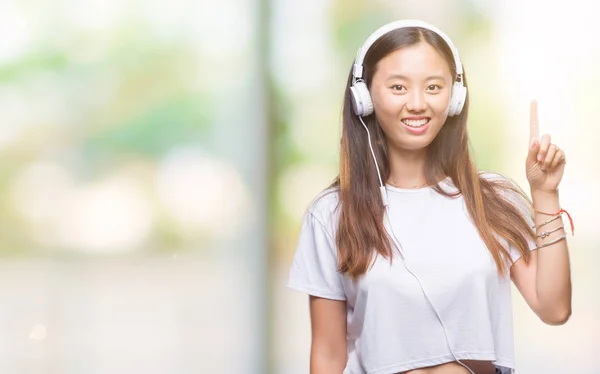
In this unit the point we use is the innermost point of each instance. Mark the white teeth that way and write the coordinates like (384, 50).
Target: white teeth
(415, 123)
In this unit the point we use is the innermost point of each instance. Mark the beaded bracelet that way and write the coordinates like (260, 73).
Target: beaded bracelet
(547, 233)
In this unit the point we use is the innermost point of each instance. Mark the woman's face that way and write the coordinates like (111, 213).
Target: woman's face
(411, 91)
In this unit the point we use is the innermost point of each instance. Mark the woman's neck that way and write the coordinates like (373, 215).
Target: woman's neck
(407, 168)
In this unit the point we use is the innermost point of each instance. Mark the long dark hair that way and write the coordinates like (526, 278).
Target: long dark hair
(361, 233)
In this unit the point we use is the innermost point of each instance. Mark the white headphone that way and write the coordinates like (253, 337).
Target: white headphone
(361, 99)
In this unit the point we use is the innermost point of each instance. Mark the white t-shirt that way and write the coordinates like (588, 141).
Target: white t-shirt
(391, 327)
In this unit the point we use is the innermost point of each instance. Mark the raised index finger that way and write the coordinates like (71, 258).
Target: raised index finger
(534, 129)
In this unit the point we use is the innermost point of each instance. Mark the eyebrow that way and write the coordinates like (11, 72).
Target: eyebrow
(400, 76)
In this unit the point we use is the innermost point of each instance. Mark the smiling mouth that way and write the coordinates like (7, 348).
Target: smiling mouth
(416, 123)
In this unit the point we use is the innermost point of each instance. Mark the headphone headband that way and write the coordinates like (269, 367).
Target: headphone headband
(357, 71)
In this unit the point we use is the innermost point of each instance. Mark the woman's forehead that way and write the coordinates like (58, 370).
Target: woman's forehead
(419, 60)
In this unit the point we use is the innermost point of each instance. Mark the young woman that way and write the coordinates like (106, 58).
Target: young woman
(409, 255)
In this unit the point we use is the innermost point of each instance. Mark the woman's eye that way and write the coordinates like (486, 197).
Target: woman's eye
(434, 87)
(398, 87)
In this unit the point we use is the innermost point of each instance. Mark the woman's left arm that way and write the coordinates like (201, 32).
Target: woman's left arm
(545, 281)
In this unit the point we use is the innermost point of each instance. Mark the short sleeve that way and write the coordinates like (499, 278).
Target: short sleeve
(515, 254)
(525, 208)
(314, 268)
(522, 205)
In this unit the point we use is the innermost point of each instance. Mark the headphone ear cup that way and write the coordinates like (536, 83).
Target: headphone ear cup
(457, 101)
(361, 99)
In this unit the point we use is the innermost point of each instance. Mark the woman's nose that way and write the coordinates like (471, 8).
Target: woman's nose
(416, 101)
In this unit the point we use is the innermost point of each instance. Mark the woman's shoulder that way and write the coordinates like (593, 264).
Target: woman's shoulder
(494, 176)
(500, 180)
(325, 206)
(507, 187)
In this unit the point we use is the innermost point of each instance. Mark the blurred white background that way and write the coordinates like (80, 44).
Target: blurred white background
(156, 158)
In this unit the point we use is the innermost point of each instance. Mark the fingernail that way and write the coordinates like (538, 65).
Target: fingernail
(532, 144)
(539, 157)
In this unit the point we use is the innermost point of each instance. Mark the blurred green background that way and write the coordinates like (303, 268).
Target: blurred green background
(156, 159)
